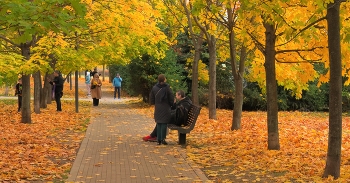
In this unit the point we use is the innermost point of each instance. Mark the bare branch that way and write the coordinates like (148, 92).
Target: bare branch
(298, 50)
(303, 61)
(304, 29)
(259, 45)
(8, 40)
(173, 13)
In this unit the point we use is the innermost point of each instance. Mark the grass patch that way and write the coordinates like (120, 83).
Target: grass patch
(8, 101)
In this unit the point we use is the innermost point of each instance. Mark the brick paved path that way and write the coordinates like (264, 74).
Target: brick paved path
(113, 150)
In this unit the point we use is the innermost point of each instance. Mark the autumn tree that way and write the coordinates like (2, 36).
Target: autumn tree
(201, 14)
(228, 16)
(112, 35)
(290, 43)
(24, 22)
(178, 19)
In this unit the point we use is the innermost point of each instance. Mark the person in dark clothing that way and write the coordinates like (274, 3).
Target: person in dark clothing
(18, 92)
(92, 74)
(57, 85)
(162, 97)
(178, 117)
(179, 113)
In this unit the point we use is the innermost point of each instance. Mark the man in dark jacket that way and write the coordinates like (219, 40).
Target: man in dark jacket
(180, 110)
(57, 85)
(162, 97)
(179, 113)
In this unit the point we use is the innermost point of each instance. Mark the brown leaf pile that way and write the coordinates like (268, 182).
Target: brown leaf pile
(303, 140)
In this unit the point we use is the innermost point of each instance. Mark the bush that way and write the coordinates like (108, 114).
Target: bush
(141, 74)
(253, 99)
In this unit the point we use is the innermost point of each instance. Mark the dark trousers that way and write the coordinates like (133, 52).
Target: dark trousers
(161, 131)
(19, 103)
(95, 101)
(58, 101)
(172, 121)
(117, 89)
(154, 132)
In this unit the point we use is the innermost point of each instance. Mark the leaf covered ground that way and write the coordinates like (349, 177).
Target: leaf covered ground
(242, 155)
(45, 149)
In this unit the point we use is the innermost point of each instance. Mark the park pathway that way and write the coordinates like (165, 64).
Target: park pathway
(113, 150)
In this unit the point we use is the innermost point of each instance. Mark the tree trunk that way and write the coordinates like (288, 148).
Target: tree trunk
(212, 77)
(26, 112)
(37, 88)
(49, 77)
(70, 78)
(238, 77)
(45, 92)
(271, 87)
(103, 72)
(6, 93)
(197, 42)
(76, 92)
(335, 88)
(49, 92)
(194, 85)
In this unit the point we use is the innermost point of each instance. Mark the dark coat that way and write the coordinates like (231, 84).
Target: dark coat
(162, 97)
(18, 89)
(58, 80)
(186, 103)
(180, 111)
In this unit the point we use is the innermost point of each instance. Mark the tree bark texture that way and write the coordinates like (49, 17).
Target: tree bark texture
(197, 42)
(26, 112)
(37, 91)
(103, 72)
(44, 92)
(49, 92)
(271, 87)
(71, 82)
(238, 102)
(6, 92)
(335, 88)
(76, 92)
(212, 76)
(194, 84)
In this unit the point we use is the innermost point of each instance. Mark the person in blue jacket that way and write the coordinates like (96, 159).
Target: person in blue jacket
(117, 83)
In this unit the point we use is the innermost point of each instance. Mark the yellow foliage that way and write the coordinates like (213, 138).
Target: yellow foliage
(203, 73)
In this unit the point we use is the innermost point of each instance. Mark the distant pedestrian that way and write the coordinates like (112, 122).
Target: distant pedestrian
(18, 92)
(117, 83)
(96, 92)
(57, 85)
(88, 83)
(162, 97)
(92, 74)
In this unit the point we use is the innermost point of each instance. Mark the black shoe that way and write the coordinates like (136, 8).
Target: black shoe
(164, 142)
(159, 142)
